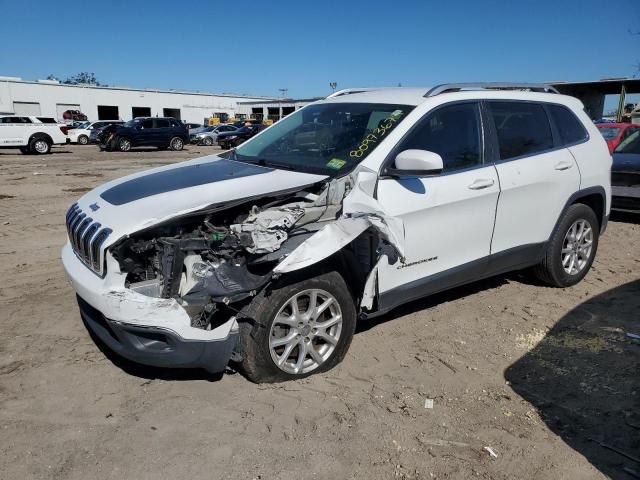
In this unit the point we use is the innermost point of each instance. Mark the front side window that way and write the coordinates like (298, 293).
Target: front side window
(148, 123)
(453, 132)
(163, 123)
(522, 128)
(568, 126)
(325, 138)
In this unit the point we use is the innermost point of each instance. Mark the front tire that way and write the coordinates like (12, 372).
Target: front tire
(208, 141)
(124, 144)
(571, 249)
(176, 144)
(83, 140)
(297, 329)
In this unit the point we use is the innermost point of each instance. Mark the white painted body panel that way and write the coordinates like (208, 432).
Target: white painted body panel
(76, 132)
(148, 211)
(533, 195)
(446, 223)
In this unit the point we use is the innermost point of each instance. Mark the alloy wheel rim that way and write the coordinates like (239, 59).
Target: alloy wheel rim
(305, 331)
(83, 141)
(177, 143)
(41, 146)
(125, 145)
(577, 247)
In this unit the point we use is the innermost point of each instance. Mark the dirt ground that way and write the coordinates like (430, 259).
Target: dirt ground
(546, 378)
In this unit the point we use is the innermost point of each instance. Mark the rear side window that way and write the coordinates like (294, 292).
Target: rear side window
(162, 123)
(176, 123)
(453, 132)
(47, 120)
(523, 128)
(15, 120)
(569, 127)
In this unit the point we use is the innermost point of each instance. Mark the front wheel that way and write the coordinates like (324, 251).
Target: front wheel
(176, 144)
(208, 141)
(83, 140)
(297, 329)
(571, 249)
(124, 144)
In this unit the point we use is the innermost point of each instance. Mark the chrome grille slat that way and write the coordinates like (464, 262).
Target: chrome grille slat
(86, 238)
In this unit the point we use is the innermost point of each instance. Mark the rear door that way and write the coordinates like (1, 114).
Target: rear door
(162, 132)
(537, 176)
(448, 218)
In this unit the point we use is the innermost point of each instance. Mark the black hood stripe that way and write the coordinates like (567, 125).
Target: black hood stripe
(179, 178)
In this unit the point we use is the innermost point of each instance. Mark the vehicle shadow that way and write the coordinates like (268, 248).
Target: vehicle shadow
(432, 301)
(583, 378)
(625, 217)
(152, 373)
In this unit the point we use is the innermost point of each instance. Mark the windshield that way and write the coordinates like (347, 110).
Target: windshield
(324, 138)
(609, 133)
(131, 123)
(631, 144)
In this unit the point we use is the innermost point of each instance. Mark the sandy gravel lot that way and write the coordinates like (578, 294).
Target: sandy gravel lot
(545, 377)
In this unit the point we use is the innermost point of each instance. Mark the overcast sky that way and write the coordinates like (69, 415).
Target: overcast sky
(258, 47)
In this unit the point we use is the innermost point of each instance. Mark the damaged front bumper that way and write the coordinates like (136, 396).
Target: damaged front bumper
(146, 330)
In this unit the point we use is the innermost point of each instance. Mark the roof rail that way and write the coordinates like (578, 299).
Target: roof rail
(349, 91)
(456, 87)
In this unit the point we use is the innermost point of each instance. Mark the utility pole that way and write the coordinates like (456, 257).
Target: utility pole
(333, 86)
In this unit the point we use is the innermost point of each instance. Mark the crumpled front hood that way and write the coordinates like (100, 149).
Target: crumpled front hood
(147, 198)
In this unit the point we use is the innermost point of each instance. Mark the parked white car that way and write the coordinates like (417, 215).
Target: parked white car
(82, 134)
(269, 254)
(30, 134)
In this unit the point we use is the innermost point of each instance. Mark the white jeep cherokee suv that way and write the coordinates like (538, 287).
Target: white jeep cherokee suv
(30, 134)
(268, 254)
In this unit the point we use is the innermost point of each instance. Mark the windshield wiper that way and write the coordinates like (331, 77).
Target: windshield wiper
(269, 163)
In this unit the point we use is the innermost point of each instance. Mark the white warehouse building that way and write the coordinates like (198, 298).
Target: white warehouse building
(50, 98)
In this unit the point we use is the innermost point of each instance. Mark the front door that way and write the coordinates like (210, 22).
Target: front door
(448, 218)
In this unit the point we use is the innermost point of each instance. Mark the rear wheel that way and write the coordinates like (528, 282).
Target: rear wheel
(571, 249)
(299, 329)
(39, 146)
(176, 144)
(83, 140)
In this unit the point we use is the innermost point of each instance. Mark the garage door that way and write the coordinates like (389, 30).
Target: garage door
(63, 107)
(26, 108)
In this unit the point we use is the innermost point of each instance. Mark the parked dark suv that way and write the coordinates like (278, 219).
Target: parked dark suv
(236, 137)
(144, 132)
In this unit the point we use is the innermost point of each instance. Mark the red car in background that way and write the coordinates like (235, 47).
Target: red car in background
(614, 133)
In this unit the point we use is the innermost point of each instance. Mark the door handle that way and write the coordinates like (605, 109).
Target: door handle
(481, 183)
(563, 165)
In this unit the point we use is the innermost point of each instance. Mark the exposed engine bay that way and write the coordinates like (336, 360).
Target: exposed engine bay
(213, 260)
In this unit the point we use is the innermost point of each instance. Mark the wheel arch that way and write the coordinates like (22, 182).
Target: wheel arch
(40, 136)
(595, 199)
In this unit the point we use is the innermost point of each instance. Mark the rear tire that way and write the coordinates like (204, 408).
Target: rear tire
(323, 344)
(176, 144)
(39, 146)
(571, 249)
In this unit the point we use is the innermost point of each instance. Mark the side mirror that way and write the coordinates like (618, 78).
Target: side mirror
(416, 163)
